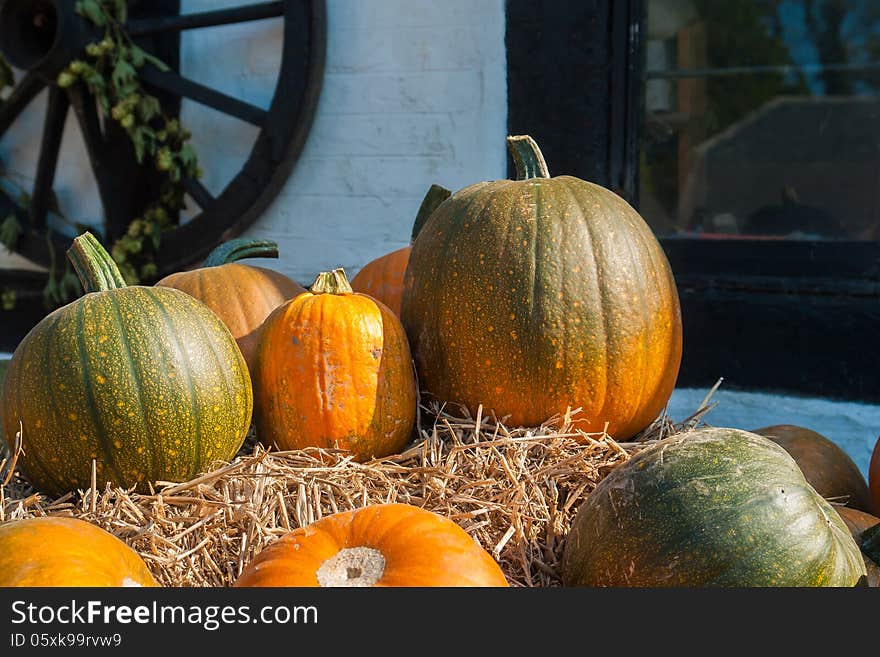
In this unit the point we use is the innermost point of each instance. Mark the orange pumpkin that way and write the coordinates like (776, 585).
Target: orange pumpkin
(825, 465)
(857, 522)
(379, 545)
(334, 370)
(59, 551)
(242, 296)
(874, 477)
(382, 278)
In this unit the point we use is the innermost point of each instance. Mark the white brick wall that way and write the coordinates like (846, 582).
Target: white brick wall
(414, 94)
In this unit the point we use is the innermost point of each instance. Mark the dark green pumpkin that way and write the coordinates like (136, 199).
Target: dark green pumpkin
(145, 380)
(536, 295)
(711, 507)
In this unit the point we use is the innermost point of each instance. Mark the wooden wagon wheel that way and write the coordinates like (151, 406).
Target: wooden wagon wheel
(41, 37)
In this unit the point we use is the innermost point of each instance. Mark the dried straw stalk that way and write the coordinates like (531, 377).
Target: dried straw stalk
(514, 490)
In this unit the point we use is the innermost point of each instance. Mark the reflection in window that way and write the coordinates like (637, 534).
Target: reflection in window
(762, 119)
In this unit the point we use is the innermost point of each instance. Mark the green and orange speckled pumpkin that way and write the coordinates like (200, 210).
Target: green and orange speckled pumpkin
(709, 507)
(59, 551)
(334, 370)
(827, 468)
(382, 278)
(379, 545)
(241, 295)
(147, 381)
(542, 294)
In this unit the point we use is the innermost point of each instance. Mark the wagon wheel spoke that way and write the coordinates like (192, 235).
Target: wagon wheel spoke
(53, 131)
(206, 19)
(25, 91)
(186, 88)
(199, 193)
(109, 173)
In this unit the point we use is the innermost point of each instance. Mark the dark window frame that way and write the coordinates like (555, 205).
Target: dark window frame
(797, 317)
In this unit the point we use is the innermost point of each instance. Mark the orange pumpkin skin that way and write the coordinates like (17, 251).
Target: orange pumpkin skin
(874, 477)
(382, 278)
(419, 548)
(57, 551)
(241, 295)
(826, 466)
(334, 370)
(857, 522)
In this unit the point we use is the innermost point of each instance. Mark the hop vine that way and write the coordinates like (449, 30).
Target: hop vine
(110, 72)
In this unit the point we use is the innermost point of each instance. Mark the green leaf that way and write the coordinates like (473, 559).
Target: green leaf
(149, 108)
(121, 10)
(155, 61)
(10, 231)
(123, 74)
(92, 10)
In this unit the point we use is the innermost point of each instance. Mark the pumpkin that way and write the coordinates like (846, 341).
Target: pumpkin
(858, 522)
(709, 507)
(874, 477)
(539, 295)
(146, 381)
(382, 278)
(334, 370)
(61, 551)
(827, 468)
(241, 295)
(378, 545)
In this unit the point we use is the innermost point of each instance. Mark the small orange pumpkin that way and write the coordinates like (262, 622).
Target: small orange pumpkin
(379, 545)
(60, 551)
(826, 466)
(382, 278)
(242, 296)
(857, 522)
(334, 370)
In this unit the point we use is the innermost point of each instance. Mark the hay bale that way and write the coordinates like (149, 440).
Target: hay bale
(515, 491)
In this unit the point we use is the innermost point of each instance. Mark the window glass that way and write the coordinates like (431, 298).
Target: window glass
(762, 119)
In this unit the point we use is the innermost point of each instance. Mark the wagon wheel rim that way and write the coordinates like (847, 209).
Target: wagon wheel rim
(283, 126)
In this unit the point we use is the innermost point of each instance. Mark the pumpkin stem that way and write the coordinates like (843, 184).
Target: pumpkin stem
(93, 265)
(527, 157)
(239, 249)
(870, 543)
(331, 282)
(435, 196)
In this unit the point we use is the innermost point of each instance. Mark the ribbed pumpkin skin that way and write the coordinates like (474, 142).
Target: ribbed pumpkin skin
(55, 551)
(536, 295)
(146, 380)
(334, 370)
(382, 278)
(874, 477)
(712, 507)
(242, 296)
(827, 468)
(421, 548)
(857, 522)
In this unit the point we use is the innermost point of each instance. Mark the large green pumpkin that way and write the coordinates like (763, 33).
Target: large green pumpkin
(710, 507)
(536, 295)
(147, 381)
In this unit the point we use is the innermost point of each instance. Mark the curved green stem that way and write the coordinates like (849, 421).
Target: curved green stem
(95, 268)
(331, 282)
(527, 157)
(435, 196)
(870, 543)
(239, 249)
